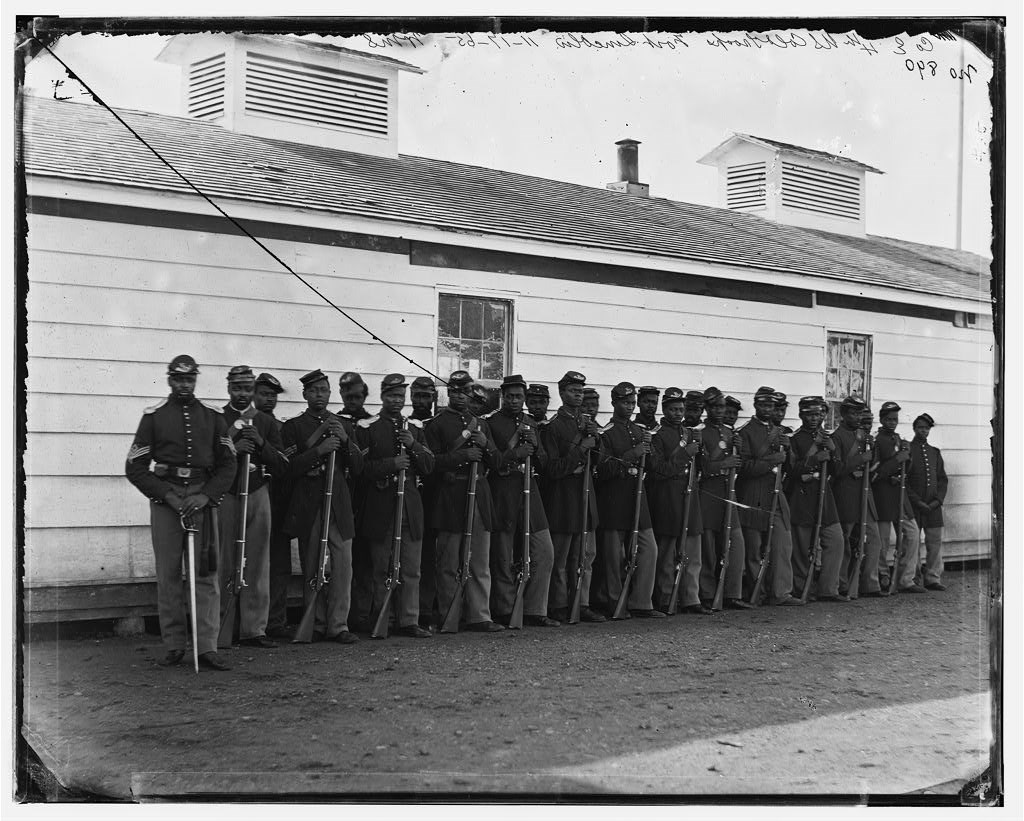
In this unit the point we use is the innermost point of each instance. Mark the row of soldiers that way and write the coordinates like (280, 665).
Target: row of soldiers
(563, 517)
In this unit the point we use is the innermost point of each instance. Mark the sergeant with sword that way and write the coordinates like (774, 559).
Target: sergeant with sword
(244, 565)
(310, 439)
(394, 448)
(515, 436)
(765, 512)
(674, 501)
(193, 465)
(817, 536)
(626, 546)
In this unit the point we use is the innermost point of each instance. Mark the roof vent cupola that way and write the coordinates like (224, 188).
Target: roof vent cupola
(291, 89)
(629, 170)
(790, 184)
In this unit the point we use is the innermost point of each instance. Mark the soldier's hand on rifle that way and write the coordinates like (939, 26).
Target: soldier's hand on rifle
(245, 445)
(525, 449)
(590, 427)
(474, 454)
(196, 501)
(822, 456)
(588, 442)
(902, 456)
(691, 449)
(337, 430)
(402, 462)
(776, 458)
(731, 462)
(477, 438)
(405, 438)
(327, 445)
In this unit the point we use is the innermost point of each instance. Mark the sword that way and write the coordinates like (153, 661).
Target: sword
(188, 525)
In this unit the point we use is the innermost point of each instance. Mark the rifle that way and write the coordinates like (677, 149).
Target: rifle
(814, 557)
(634, 541)
(189, 526)
(380, 627)
(898, 555)
(853, 587)
(577, 598)
(682, 558)
(718, 601)
(304, 632)
(766, 549)
(235, 584)
(515, 621)
(454, 614)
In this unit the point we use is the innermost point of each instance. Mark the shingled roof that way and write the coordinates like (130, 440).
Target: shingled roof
(81, 141)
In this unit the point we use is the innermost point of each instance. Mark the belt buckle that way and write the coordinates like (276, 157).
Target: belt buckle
(183, 473)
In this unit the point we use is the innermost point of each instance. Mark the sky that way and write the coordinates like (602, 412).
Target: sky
(555, 107)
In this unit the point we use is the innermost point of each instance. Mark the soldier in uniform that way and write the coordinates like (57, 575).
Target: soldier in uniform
(422, 396)
(591, 403)
(353, 391)
(623, 445)
(810, 448)
(779, 412)
(309, 438)
(674, 453)
(693, 408)
(265, 400)
(893, 454)
(537, 400)
(851, 462)
(477, 399)
(253, 433)
(391, 444)
(926, 487)
(647, 407)
(763, 453)
(458, 439)
(566, 439)
(717, 447)
(732, 411)
(515, 436)
(194, 465)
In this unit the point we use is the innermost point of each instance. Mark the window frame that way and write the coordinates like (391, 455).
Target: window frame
(487, 294)
(832, 419)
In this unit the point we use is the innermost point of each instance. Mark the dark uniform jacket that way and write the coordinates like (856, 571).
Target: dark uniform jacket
(306, 470)
(280, 485)
(377, 439)
(506, 479)
(265, 462)
(755, 484)
(446, 439)
(617, 475)
(802, 483)
(885, 482)
(181, 438)
(926, 482)
(644, 422)
(846, 488)
(563, 475)
(714, 484)
(668, 471)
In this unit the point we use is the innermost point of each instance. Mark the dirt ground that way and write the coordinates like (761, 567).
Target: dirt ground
(870, 697)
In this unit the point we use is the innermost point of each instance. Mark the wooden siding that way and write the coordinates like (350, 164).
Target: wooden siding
(110, 304)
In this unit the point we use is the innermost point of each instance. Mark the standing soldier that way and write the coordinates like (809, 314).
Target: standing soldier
(253, 433)
(854, 454)
(353, 391)
(647, 407)
(566, 440)
(624, 446)
(811, 451)
(893, 455)
(515, 436)
(458, 439)
(591, 404)
(674, 454)
(194, 465)
(763, 454)
(422, 395)
(693, 407)
(265, 400)
(717, 445)
(926, 487)
(392, 444)
(732, 411)
(537, 400)
(309, 438)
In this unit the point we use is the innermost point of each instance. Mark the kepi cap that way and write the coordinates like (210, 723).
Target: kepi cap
(852, 403)
(811, 402)
(478, 390)
(694, 397)
(270, 381)
(240, 373)
(623, 390)
(764, 392)
(311, 377)
(589, 393)
(888, 407)
(780, 398)
(459, 380)
(927, 419)
(671, 395)
(182, 365)
(572, 378)
(423, 383)
(712, 394)
(537, 389)
(647, 389)
(733, 402)
(349, 379)
(513, 381)
(392, 381)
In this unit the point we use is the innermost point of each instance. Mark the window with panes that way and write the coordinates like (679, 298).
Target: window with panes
(847, 371)
(474, 334)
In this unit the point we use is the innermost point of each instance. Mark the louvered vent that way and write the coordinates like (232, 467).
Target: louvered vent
(206, 88)
(745, 185)
(327, 97)
(820, 191)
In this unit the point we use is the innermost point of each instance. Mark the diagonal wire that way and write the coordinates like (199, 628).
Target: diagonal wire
(235, 222)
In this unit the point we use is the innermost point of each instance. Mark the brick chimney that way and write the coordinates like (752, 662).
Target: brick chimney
(629, 170)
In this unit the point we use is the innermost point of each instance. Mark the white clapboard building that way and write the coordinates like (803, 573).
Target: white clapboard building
(456, 265)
